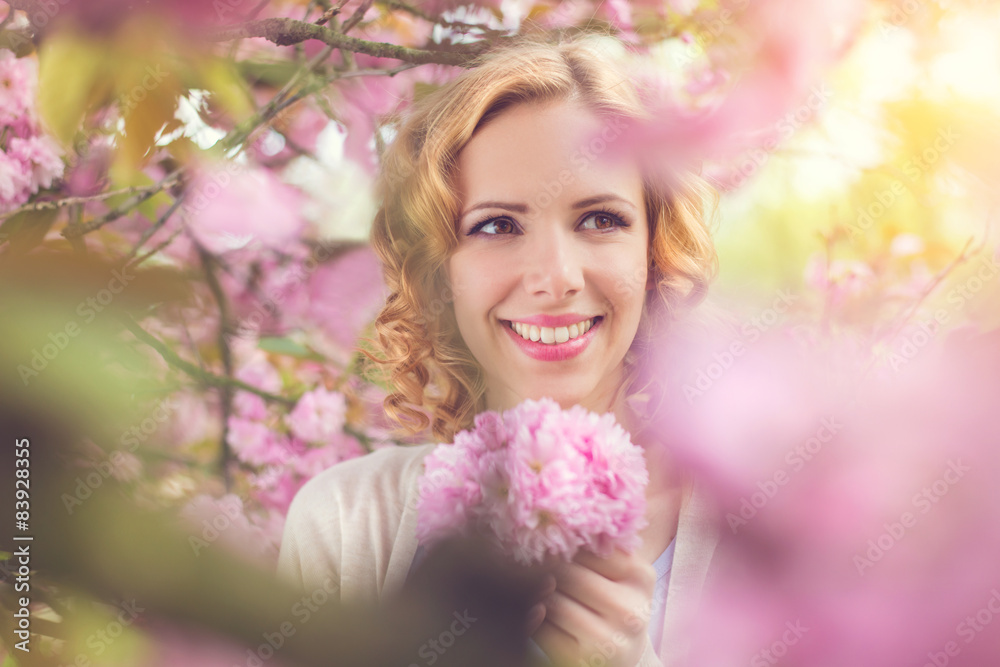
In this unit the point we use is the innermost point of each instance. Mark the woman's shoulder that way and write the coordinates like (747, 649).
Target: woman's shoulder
(365, 496)
(390, 470)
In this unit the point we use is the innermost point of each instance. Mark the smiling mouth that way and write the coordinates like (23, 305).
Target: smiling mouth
(552, 335)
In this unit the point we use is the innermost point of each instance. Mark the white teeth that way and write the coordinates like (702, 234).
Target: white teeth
(552, 335)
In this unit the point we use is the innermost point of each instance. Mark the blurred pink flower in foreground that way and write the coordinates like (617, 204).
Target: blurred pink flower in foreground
(539, 480)
(786, 47)
(345, 295)
(858, 521)
(227, 208)
(223, 522)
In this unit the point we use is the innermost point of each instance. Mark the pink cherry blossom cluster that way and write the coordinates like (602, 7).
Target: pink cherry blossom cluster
(539, 480)
(311, 439)
(29, 160)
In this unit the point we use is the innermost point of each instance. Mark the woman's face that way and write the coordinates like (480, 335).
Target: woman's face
(553, 236)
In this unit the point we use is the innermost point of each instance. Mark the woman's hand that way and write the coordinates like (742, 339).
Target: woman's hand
(596, 610)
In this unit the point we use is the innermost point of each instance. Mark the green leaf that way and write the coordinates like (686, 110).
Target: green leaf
(287, 346)
(27, 229)
(276, 74)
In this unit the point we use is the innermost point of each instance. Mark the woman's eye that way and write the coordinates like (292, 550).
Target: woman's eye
(495, 227)
(604, 220)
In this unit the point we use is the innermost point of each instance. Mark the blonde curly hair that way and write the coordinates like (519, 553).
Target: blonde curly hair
(434, 380)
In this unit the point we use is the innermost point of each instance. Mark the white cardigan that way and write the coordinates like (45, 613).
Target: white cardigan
(356, 522)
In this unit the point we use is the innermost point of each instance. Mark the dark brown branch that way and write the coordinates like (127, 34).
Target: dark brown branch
(225, 354)
(285, 32)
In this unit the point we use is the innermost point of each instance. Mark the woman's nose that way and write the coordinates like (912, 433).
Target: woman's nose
(553, 264)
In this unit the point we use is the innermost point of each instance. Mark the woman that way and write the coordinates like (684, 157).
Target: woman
(522, 262)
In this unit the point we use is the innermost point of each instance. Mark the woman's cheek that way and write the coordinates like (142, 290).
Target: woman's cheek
(630, 283)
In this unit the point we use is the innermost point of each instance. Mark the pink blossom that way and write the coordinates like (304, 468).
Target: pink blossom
(318, 416)
(230, 208)
(540, 480)
(15, 184)
(276, 491)
(27, 165)
(256, 444)
(40, 155)
(317, 459)
(18, 81)
(262, 375)
(845, 506)
(345, 295)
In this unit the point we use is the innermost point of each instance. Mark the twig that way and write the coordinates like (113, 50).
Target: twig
(204, 377)
(53, 204)
(373, 72)
(356, 17)
(158, 248)
(146, 235)
(285, 32)
(74, 231)
(942, 274)
(225, 354)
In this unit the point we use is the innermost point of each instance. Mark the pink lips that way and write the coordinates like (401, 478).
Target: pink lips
(557, 352)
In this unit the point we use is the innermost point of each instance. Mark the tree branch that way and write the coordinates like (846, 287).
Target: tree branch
(75, 231)
(225, 354)
(204, 377)
(286, 31)
(52, 204)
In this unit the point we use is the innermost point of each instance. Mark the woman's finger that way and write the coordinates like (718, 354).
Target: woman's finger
(555, 641)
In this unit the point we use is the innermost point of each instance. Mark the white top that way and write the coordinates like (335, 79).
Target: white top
(356, 523)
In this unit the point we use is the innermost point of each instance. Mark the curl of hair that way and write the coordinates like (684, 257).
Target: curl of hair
(434, 380)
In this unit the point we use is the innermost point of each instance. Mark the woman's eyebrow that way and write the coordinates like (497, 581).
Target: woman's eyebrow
(507, 206)
(600, 199)
(523, 208)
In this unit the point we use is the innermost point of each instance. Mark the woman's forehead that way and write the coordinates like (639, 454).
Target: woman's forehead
(532, 150)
